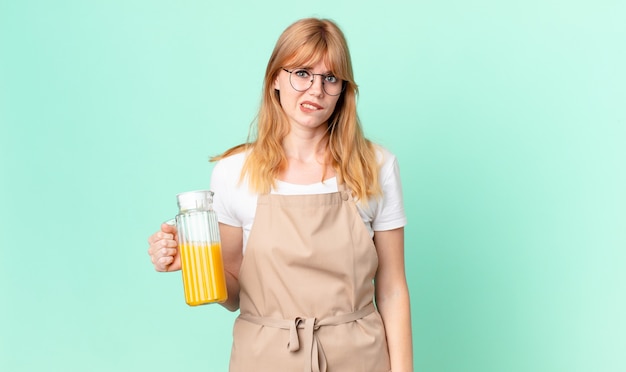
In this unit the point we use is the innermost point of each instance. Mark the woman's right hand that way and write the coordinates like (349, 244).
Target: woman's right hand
(164, 249)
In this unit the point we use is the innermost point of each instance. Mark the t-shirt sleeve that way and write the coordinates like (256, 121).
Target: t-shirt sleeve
(223, 183)
(390, 212)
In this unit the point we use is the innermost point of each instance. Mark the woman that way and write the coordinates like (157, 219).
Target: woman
(311, 223)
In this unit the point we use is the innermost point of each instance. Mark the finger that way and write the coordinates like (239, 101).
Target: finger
(167, 228)
(162, 263)
(162, 257)
(167, 252)
(155, 248)
(160, 235)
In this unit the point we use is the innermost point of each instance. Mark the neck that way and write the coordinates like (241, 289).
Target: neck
(307, 160)
(306, 146)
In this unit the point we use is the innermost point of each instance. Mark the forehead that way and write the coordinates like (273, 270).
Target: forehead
(317, 65)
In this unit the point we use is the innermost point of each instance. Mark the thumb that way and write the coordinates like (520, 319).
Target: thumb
(166, 227)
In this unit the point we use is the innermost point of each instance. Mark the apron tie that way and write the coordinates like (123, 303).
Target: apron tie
(294, 341)
(315, 360)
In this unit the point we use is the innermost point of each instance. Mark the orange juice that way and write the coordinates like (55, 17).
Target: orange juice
(203, 273)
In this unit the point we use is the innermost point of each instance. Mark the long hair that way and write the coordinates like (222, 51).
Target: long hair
(353, 157)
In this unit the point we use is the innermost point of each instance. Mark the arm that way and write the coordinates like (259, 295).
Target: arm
(392, 298)
(231, 238)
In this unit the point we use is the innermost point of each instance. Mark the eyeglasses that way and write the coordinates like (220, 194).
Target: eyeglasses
(302, 80)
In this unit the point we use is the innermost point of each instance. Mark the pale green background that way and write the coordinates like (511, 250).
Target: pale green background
(508, 118)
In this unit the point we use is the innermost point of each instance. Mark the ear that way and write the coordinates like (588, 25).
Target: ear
(276, 85)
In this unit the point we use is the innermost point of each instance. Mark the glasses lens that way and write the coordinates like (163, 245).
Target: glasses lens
(301, 80)
(332, 85)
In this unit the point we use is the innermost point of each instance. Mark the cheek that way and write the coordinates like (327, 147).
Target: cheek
(333, 105)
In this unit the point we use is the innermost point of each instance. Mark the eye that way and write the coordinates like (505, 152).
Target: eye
(331, 79)
(303, 74)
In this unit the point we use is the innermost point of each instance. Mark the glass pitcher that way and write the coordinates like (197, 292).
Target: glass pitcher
(200, 249)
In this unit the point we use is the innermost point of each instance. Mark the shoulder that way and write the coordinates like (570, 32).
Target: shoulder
(232, 161)
(226, 175)
(234, 203)
(228, 169)
(387, 211)
(387, 161)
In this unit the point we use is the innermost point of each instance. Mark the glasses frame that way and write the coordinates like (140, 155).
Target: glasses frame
(324, 76)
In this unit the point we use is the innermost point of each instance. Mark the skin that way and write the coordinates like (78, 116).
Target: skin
(308, 113)
(392, 298)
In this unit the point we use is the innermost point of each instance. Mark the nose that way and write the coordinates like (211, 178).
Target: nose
(317, 87)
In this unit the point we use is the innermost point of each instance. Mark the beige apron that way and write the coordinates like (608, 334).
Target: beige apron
(307, 291)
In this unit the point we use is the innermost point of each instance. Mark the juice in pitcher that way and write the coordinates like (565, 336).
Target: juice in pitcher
(203, 273)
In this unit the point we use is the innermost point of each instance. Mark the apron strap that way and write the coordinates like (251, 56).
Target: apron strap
(316, 360)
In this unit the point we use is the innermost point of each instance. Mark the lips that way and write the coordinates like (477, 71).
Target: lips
(310, 106)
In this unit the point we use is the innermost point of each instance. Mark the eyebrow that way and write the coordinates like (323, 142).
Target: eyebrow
(311, 68)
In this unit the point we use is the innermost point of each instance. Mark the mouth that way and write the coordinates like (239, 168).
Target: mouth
(311, 106)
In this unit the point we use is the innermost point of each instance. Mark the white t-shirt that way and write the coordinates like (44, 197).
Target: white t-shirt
(235, 204)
